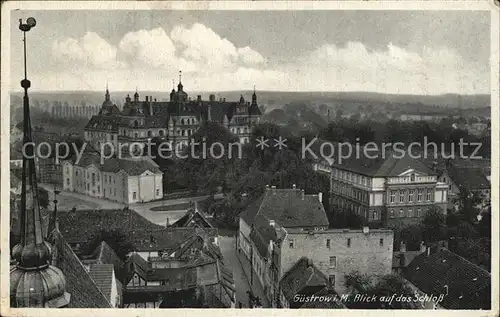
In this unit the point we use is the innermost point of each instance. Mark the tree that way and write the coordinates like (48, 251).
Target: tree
(115, 238)
(468, 205)
(43, 197)
(434, 225)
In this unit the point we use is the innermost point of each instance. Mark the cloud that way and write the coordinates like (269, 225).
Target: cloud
(90, 51)
(151, 58)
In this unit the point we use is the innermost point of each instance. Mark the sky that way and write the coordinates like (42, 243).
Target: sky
(398, 52)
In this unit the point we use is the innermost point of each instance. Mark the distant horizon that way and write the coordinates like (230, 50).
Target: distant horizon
(251, 91)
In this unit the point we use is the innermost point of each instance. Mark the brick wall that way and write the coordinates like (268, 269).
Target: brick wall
(365, 254)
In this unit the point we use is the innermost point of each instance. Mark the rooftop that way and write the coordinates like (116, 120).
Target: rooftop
(303, 274)
(468, 285)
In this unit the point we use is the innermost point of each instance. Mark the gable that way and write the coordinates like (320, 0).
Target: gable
(412, 171)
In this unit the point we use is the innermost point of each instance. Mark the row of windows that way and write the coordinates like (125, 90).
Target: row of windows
(347, 190)
(410, 195)
(352, 177)
(291, 244)
(409, 213)
(354, 207)
(239, 130)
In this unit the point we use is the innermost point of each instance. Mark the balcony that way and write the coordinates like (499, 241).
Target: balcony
(408, 180)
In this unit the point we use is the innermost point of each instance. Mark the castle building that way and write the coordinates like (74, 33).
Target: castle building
(176, 119)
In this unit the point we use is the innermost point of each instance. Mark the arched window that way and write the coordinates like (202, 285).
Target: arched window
(182, 121)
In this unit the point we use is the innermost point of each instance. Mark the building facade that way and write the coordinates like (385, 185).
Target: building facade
(123, 180)
(389, 191)
(286, 225)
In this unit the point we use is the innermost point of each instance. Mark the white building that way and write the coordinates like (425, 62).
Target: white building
(130, 180)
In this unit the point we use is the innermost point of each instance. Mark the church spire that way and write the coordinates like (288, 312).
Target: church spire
(34, 282)
(106, 96)
(254, 97)
(179, 86)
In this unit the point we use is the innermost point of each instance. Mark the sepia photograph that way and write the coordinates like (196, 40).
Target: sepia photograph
(248, 155)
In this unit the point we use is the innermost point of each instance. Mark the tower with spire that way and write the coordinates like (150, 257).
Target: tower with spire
(34, 282)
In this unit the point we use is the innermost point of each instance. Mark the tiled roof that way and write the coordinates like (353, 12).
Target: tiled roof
(289, 208)
(177, 278)
(375, 163)
(303, 274)
(104, 123)
(102, 274)
(131, 166)
(469, 286)
(126, 220)
(193, 217)
(248, 215)
(470, 178)
(84, 291)
(104, 254)
(333, 303)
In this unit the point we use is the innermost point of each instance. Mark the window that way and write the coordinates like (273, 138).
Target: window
(290, 243)
(114, 192)
(391, 213)
(444, 179)
(136, 123)
(410, 195)
(429, 195)
(402, 196)
(328, 243)
(98, 189)
(157, 192)
(67, 181)
(419, 195)
(393, 196)
(401, 213)
(333, 262)
(150, 134)
(418, 212)
(136, 135)
(381, 242)
(412, 177)
(348, 242)
(410, 212)
(77, 173)
(134, 195)
(93, 179)
(375, 215)
(331, 280)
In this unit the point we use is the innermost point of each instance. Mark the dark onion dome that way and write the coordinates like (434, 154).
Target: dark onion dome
(38, 288)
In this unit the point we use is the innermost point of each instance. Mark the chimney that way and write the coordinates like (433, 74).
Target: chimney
(223, 99)
(309, 263)
(272, 223)
(168, 223)
(303, 194)
(155, 99)
(320, 197)
(422, 247)
(211, 98)
(147, 98)
(402, 247)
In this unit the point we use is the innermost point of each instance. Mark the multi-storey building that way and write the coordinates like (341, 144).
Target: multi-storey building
(177, 119)
(389, 190)
(285, 226)
(128, 180)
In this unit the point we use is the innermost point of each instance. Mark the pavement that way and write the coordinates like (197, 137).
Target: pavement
(256, 288)
(228, 248)
(69, 200)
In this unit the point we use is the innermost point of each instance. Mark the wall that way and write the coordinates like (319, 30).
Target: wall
(244, 238)
(364, 255)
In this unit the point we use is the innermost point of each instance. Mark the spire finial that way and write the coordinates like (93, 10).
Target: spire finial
(180, 76)
(254, 89)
